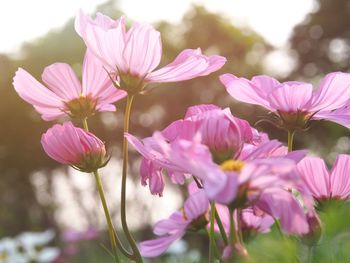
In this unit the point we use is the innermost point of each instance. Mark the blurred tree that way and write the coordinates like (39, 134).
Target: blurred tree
(322, 45)
(322, 40)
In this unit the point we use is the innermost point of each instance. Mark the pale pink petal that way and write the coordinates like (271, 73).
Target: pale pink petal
(143, 49)
(334, 92)
(107, 45)
(96, 82)
(176, 222)
(61, 79)
(340, 177)
(281, 205)
(315, 175)
(156, 247)
(44, 100)
(246, 91)
(196, 205)
(187, 65)
(340, 116)
(196, 110)
(229, 191)
(291, 97)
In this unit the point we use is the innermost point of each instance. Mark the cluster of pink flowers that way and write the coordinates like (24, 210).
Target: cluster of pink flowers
(235, 173)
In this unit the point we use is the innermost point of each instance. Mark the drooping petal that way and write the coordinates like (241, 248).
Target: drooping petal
(334, 92)
(291, 97)
(246, 91)
(44, 100)
(196, 205)
(339, 178)
(315, 175)
(176, 222)
(143, 49)
(61, 79)
(187, 65)
(229, 191)
(281, 204)
(340, 116)
(156, 247)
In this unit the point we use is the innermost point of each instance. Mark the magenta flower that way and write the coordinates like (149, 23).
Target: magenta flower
(323, 184)
(67, 144)
(294, 103)
(133, 55)
(223, 133)
(192, 217)
(65, 95)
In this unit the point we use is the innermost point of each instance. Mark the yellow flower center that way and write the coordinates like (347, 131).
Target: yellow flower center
(232, 166)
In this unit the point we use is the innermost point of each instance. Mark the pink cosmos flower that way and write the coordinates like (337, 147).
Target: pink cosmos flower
(65, 95)
(294, 103)
(323, 184)
(223, 133)
(133, 55)
(192, 217)
(70, 145)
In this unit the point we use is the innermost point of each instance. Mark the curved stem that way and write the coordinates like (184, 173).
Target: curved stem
(136, 252)
(221, 227)
(290, 140)
(107, 214)
(108, 217)
(211, 233)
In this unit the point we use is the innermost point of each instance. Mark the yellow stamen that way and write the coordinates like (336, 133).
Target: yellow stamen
(232, 166)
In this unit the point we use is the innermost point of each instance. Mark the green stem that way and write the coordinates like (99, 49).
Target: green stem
(310, 253)
(136, 252)
(221, 227)
(278, 225)
(290, 140)
(116, 238)
(211, 233)
(239, 226)
(108, 217)
(233, 232)
(85, 124)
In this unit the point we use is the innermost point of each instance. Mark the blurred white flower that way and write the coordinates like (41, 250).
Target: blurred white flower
(28, 247)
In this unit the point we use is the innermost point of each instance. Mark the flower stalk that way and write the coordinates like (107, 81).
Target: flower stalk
(136, 252)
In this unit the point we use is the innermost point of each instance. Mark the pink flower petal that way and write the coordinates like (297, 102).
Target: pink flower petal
(143, 49)
(334, 92)
(291, 97)
(156, 247)
(315, 175)
(339, 178)
(62, 80)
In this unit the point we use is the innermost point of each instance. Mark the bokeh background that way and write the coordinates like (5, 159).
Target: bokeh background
(299, 40)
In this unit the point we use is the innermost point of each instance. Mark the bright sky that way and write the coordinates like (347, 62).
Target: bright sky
(24, 20)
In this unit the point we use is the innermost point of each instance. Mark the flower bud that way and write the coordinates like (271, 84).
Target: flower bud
(74, 146)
